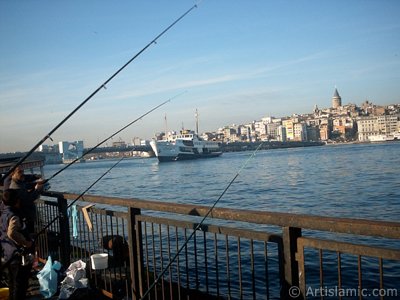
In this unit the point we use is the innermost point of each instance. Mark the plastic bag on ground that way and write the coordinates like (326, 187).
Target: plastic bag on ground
(48, 278)
(75, 279)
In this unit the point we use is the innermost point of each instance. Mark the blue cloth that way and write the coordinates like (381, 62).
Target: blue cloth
(74, 214)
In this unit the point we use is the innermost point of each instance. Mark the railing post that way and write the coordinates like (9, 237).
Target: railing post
(65, 242)
(136, 252)
(291, 267)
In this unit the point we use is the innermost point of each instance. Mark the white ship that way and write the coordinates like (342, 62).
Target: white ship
(384, 137)
(184, 145)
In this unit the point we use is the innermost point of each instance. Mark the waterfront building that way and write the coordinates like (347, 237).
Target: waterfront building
(244, 133)
(230, 134)
(367, 126)
(48, 148)
(136, 141)
(281, 136)
(70, 150)
(289, 126)
(51, 154)
(119, 144)
(336, 100)
(250, 132)
(272, 130)
(260, 128)
(344, 127)
(339, 126)
(377, 125)
(313, 133)
(209, 136)
(388, 124)
(324, 132)
(300, 132)
(325, 127)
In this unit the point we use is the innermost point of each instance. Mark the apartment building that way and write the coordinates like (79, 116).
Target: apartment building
(377, 125)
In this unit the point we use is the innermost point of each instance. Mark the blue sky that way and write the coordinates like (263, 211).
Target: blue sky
(238, 61)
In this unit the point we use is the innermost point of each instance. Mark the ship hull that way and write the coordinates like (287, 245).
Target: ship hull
(183, 156)
(385, 138)
(175, 151)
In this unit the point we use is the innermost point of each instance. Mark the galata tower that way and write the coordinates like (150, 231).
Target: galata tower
(336, 100)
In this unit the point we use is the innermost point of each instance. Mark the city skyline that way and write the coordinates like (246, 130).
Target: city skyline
(237, 61)
(334, 113)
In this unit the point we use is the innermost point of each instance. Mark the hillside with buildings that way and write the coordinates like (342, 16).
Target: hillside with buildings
(339, 123)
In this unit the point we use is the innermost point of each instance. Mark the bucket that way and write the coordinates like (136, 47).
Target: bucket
(3, 293)
(99, 261)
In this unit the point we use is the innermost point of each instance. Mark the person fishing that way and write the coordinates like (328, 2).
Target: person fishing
(15, 241)
(28, 188)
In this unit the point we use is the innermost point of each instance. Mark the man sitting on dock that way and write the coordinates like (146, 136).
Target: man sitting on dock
(15, 241)
(29, 188)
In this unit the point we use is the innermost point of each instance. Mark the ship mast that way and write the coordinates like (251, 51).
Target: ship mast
(166, 126)
(197, 121)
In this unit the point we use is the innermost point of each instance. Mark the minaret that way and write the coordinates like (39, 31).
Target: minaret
(336, 100)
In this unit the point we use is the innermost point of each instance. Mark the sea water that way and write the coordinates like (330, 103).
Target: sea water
(347, 180)
(354, 181)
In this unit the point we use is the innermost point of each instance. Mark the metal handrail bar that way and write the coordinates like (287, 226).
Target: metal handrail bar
(242, 233)
(365, 227)
(349, 248)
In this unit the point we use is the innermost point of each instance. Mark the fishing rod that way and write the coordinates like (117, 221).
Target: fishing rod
(80, 196)
(43, 230)
(103, 85)
(111, 136)
(198, 226)
(90, 150)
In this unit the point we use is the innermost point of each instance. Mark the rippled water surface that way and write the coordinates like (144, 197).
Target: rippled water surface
(353, 181)
(358, 181)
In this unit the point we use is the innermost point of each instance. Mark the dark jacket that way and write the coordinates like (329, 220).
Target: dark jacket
(28, 195)
(13, 233)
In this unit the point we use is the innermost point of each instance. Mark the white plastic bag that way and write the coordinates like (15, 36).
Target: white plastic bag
(75, 279)
(48, 278)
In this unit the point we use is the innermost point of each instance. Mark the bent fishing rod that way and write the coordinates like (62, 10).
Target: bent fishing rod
(90, 150)
(43, 230)
(80, 196)
(103, 85)
(198, 226)
(111, 136)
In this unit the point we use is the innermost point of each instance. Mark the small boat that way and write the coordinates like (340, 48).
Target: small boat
(183, 146)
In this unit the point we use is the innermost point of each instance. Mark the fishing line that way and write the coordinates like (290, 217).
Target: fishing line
(200, 224)
(154, 41)
(59, 216)
(90, 150)
(80, 196)
(111, 136)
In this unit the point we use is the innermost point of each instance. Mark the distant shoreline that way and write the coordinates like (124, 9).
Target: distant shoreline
(267, 145)
(229, 147)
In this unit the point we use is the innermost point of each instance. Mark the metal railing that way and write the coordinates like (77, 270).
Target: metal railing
(237, 254)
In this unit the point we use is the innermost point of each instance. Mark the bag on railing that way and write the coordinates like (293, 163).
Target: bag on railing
(48, 278)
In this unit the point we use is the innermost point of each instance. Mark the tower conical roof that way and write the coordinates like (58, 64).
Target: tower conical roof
(336, 94)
